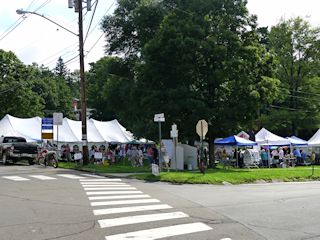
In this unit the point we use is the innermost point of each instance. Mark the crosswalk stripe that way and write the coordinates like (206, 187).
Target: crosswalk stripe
(16, 178)
(108, 188)
(162, 232)
(102, 183)
(140, 219)
(130, 209)
(101, 180)
(105, 185)
(42, 177)
(112, 192)
(123, 202)
(119, 197)
(71, 176)
(92, 175)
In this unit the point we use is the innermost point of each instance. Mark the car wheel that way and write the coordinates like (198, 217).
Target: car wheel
(4, 159)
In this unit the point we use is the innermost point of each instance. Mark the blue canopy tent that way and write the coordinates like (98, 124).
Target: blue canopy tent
(234, 141)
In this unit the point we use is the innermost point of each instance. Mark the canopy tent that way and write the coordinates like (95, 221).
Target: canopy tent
(243, 134)
(234, 141)
(112, 131)
(315, 139)
(69, 132)
(295, 141)
(29, 128)
(265, 137)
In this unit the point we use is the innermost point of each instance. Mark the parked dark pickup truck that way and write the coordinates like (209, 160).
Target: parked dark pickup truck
(16, 148)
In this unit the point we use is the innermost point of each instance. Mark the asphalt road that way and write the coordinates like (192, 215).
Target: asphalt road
(42, 204)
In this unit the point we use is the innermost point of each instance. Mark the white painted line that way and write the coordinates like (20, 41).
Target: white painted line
(108, 188)
(112, 192)
(71, 176)
(101, 180)
(140, 219)
(92, 175)
(16, 178)
(102, 183)
(42, 177)
(105, 185)
(130, 209)
(225, 239)
(119, 197)
(163, 232)
(123, 202)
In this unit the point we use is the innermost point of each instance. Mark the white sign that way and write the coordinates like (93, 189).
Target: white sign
(57, 118)
(155, 169)
(174, 133)
(202, 128)
(159, 117)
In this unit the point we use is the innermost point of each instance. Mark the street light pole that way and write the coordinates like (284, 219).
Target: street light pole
(83, 90)
(78, 7)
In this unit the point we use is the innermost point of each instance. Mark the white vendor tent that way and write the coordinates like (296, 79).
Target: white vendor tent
(29, 128)
(295, 141)
(112, 131)
(315, 139)
(69, 132)
(265, 137)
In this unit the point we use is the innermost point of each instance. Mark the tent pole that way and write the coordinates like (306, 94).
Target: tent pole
(237, 156)
(269, 155)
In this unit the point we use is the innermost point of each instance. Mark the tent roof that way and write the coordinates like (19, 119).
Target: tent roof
(315, 139)
(234, 141)
(297, 141)
(265, 137)
(29, 128)
(69, 131)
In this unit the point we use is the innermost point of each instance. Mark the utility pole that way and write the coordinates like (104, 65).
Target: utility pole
(78, 8)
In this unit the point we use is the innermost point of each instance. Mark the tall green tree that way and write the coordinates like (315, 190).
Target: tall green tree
(296, 47)
(17, 97)
(203, 60)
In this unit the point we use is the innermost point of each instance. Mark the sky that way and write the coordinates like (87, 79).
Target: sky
(35, 39)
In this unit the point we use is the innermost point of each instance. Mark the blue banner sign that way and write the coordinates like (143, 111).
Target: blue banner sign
(47, 127)
(47, 121)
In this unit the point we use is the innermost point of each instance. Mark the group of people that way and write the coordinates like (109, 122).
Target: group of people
(283, 157)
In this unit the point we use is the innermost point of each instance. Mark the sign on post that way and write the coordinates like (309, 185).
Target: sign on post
(47, 128)
(159, 117)
(57, 118)
(202, 128)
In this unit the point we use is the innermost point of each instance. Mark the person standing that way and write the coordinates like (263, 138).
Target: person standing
(67, 152)
(150, 155)
(297, 155)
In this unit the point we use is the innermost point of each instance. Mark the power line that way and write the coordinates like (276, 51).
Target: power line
(94, 11)
(96, 42)
(42, 5)
(20, 20)
(17, 25)
(103, 16)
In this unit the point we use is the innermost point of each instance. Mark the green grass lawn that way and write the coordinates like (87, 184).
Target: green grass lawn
(237, 176)
(212, 176)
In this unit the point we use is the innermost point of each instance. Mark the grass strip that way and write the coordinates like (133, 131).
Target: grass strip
(218, 175)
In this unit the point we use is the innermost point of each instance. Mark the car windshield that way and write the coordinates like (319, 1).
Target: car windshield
(13, 139)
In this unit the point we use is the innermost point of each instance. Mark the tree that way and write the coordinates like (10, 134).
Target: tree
(296, 46)
(17, 97)
(61, 69)
(204, 59)
(108, 86)
(53, 90)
